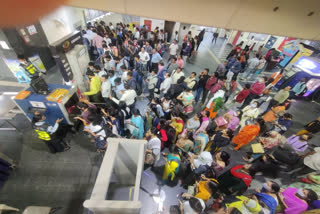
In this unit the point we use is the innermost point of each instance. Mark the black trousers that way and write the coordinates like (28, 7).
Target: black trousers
(204, 95)
(96, 98)
(154, 67)
(248, 100)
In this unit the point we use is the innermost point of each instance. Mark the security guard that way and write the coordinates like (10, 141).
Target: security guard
(29, 69)
(52, 135)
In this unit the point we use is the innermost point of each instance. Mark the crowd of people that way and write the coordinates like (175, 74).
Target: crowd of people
(191, 121)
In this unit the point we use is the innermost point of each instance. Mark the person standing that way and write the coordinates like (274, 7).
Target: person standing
(152, 80)
(203, 77)
(191, 80)
(186, 51)
(252, 67)
(97, 43)
(105, 87)
(298, 88)
(180, 61)
(52, 135)
(128, 96)
(173, 49)
(132, 82)
(234, 69)
(144, 59)
(173, 65)
(210, 82)
(240, 97)
(29, 69)
(98, 71)
(231, 88)
(155, 60)
(176, 75)
(215, 36)
(222, 68)
(109, 64)
(256, 90)
(260, 67)
(95, 88)
(200, 37)
(137, 34)
(148, 49)
(165, 85)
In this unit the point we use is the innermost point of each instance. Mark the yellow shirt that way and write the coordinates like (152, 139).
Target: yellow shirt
(95, 86)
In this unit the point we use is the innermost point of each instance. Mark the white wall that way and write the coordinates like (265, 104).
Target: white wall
(155, 23)
(62, 22)
(114, 18)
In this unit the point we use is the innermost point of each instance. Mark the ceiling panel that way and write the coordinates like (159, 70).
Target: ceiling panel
(291, 19)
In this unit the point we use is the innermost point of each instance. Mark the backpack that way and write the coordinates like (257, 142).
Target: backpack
(161, 77)
(138, 89)
(195, 86)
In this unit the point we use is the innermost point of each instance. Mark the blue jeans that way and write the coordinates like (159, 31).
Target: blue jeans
(198, 94)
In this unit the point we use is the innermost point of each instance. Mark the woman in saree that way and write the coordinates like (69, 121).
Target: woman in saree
(185, 142)
(171, 167)
(274, 113)
(137, 121)
(200, 142)
(247, 134)
(267, 196)
(215, 103)
(296, 201)
(178, 124)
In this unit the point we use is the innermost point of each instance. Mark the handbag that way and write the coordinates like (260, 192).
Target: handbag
(221, 121)
(188, 109)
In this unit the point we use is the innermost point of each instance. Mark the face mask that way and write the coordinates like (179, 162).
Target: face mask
(253, 105)
(265, 187)
(300, 193)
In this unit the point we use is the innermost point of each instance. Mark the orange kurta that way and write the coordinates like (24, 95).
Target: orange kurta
(270, 116)
(246, 134)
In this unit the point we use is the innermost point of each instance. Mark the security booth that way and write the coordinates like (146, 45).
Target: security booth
(306, 67)
(54, 101)
(117, 187)
(72, 59)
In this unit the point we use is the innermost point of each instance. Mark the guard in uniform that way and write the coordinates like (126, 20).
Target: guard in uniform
(29, 69)
(52, 135)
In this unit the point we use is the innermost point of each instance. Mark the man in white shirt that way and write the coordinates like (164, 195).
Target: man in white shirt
(176, 74)
(173, 49)
(111, 26)
(119, 88)
(128, 96)
(252, 66)
(137, 34)
(108, 40)
(249, 43)
(152, 80)
(109, 64)
(98, 71)
(105, 87)
(144, 58)
(191, 80)
(165, 85)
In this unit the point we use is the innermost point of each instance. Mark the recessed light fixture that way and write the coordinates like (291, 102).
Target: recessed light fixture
(4, 45)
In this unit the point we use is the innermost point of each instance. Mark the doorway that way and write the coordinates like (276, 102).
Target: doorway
(168, 27)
